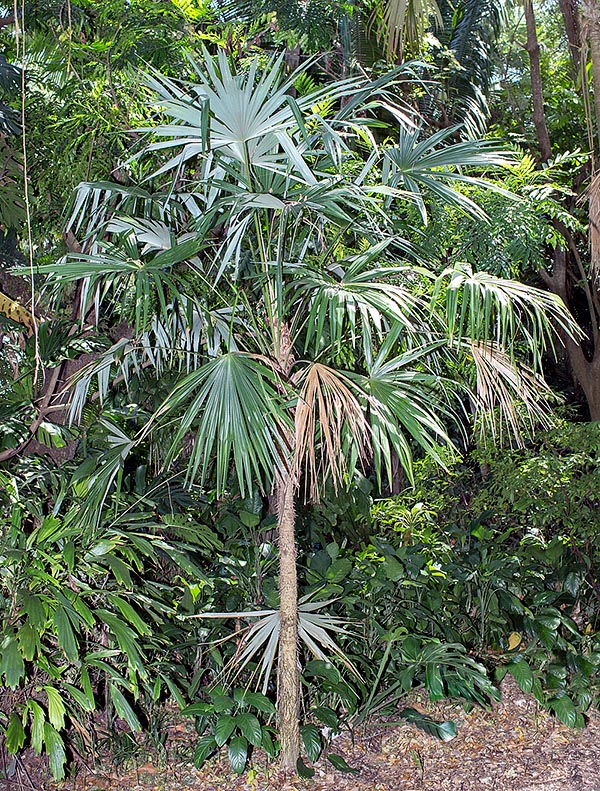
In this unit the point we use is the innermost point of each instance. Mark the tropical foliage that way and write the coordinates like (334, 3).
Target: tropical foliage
(282, 288)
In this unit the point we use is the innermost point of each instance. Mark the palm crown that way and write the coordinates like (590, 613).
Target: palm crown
(271, 275)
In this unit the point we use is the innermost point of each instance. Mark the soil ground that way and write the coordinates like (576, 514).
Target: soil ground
(514, 746)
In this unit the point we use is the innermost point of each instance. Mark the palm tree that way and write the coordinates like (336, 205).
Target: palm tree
(269, 275)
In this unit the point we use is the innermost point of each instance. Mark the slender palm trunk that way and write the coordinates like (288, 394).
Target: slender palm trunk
(288, 677)
(288, 669)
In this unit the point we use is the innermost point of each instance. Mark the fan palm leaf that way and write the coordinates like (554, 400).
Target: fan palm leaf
(431, 167)
(483, 307)
(237, 416)
(330, 426)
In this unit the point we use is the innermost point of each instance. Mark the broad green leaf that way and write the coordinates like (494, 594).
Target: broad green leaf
(249, 727)
(29, 641)
(56, 708)
(35, 610)
(69, 555)
(55, 749)
(254, 700)
(572, 584)
(393, 569)
(131, 615)
(547, 636)
(327, 716)
(433, 681)
(224, 727)
(127, 640)
(222, 703)
(341, 764)
(79, 697)
(321, 669)
(249, 519)
(304, 771)
(66, 638)
(37, 726)
(549, 620)
(123, 708)
(339, 570)
(83, 610)
(11, 665)
(206, 747)
(237, 750)
(15, 734)
(311, 739)
(87, 684)
(521, 672)
(443, 730)
(563, 707)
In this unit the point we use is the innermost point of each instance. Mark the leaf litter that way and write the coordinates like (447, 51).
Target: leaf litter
(513, 746)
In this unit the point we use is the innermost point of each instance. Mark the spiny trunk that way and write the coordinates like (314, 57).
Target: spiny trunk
(288, 676)
(533, 50)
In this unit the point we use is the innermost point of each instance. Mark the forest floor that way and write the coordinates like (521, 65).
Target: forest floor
(513, 746)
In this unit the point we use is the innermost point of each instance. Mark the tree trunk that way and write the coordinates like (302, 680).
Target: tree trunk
(568, 9)
(585, 371)
(533, 50)
(288, 675)
(591, 17)
(288, 670)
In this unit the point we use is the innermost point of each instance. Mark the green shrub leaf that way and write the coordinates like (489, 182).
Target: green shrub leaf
(446, 731)
(327, 716)
(56, 708)
(205, 748)
(224, 727)
(29, 641)
(123, 708)
(339, 570)
(312, 741)
(66, 638)
(433, 681)
(304, 771)
(563, 707)
(521, 672)
(321, 669)
(15, 734)
(237, 750)
(37, 726)
(249, 727)
(340, 764)
(268, 745)
(253, 700)
(11, 666)
(55, 749)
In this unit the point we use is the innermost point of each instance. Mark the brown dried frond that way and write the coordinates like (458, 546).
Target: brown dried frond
(508, 394)
(328, 414)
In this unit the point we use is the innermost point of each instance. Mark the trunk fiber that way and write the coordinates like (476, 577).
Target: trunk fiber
(288, 676)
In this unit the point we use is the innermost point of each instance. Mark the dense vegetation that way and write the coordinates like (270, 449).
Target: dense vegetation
(299, 312)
